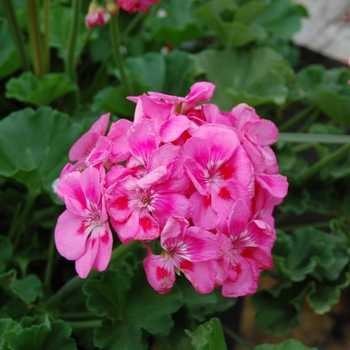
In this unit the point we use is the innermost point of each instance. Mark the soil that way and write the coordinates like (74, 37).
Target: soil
(330, 331)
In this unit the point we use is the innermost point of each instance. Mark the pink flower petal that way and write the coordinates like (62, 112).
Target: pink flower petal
(70, 235)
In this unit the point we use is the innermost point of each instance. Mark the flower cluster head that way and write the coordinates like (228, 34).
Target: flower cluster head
(200, 182)
(136, 5)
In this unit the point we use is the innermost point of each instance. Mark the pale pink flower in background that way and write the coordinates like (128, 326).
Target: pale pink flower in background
(96, 16)
(82, 232)
(191, 250)
(136, 5)
(246, 245)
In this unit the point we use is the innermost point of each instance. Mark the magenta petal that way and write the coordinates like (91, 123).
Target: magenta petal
(70, 235)
(100, 126)
(159, 271)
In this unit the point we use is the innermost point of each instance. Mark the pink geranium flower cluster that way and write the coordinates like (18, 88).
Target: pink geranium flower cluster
(201, 182)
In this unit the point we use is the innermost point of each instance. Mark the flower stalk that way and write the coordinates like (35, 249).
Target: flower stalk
(16, 33)
(33, 9)
(115, 38)
(76, 281)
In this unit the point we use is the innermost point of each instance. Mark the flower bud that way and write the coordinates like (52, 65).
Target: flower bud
(112, 8)
(97, 15)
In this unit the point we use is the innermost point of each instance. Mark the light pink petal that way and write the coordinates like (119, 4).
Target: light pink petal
(173, 232)
(91, 186)
(276, 185)
(101, 152)
(83, 146)
(199, 92)
(127, 230)
(69, 189)
(222, 141)
(84, 264)
(100, 126)
(103, 255)
(142, 142)
(159, 271)
(157, 175)
(242, 114)
(172, 128)
(200, 274)
(117, 173)
(148, 228)
(118, 135)
(170, 204)
(163, 156)
(70, 235)
(254, 153)
(155, 110)
(239, 217)
(247, 281)
(199, 245)
(203, 214)
(213, 114)
(122, 199)
(265, 131)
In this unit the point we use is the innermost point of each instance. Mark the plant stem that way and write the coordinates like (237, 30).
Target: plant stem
(296, 118)
(20, 222)
(313, 224)
(76, 281)
(48, 270)
(71, 315)
(73, 32)
(85, 324)
(35, 36)
(16, 33)
(236, 337)
(70, 62)
(47, 28)
(115, 37)
(314, 169)
(136, 19)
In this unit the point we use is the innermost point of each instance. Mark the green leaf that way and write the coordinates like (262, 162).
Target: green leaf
(8, 330)
(203, 305)
(282, 17)
(278, 309)
(6, 251)
(42, 139)
(132, 307)
(208, 336)
(113, 99)
(151, 69)
(233, 32)
(297, 255)
(312, 138)
(27, 289)
(326, 89)
(287, 345)
(28, 88)
(51, 335)
(251, 10)
(9, 57)
(255, 76)
(177, 25)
